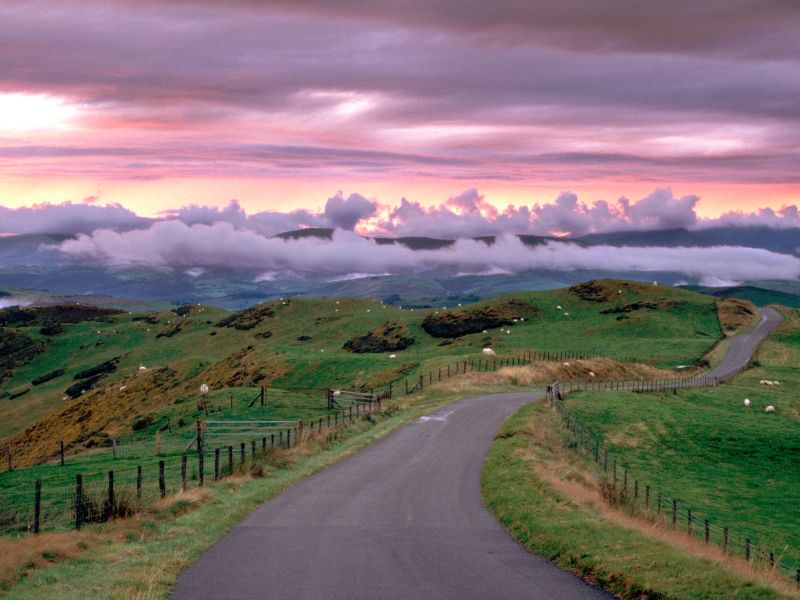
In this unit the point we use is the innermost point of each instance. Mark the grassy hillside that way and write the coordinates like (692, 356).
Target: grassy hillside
(732, 464)
(152, 364)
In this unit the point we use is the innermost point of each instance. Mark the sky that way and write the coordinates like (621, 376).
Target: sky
(410, 117)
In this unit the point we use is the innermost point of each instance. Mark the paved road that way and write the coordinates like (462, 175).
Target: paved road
(743, 346)
(402, 518)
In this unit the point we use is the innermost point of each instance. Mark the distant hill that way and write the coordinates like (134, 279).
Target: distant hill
(756, 295)
(786, 241)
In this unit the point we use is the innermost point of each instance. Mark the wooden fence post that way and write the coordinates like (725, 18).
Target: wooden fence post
(61, 451)
(674, 512)
(230, 460)
(183, 473)
(747, 548)
(201, 468)
(37, 505)
(162, 485)
(138, 482)
(78, 501)
(707, 535)
(111, 501)
(689, 521)
(252, 450)
(216, 464)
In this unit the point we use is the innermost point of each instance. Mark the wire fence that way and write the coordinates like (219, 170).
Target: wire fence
(624, 488)
(77, 499)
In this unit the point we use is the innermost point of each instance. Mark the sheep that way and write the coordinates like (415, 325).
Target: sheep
(393, 356)
(485, 331)
(747, 401)
(566, 314)
(508, 331)
(142, 368)
(655, 283)
(566, 364)
(775, 382)
(591, 374)
(558, 307)
(122, 388)
(489, 352)
(769, 409)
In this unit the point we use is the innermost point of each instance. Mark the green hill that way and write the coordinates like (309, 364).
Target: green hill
(99, 371)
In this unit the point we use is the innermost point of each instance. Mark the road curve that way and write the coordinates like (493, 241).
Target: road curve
(743, 346)
(402, 518)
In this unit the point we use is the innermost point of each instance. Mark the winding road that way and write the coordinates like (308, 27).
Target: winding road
(402, 518)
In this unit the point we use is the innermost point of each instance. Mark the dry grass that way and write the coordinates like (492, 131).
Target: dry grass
(563, 473)
(736, 316)
(540, 373)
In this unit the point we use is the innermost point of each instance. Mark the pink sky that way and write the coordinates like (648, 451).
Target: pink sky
(157, 105)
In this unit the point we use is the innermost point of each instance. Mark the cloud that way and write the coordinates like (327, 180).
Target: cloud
(785, 217)
(68, 218)
(175, 245)
(345, 213)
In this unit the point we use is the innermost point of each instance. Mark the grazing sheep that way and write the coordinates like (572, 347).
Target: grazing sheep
(769, 409)
(142, 368)
(566, 314)
(393, 356)
(508, 331)
(655, 283)
(485, 331)
(489, 352)
(122, 388)
(337, 393)
(591, 374)
(747, 401)
(558, 307)
(775, 382)
(566, 364)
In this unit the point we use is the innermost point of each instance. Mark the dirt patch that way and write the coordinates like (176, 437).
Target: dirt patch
(389, 337)
(249, 318)
(455, 323)
(735, 315)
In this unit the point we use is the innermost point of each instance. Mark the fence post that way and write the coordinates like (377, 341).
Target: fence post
(264, 442)
(201, 468)
(199, 433)
(62, 453)
(605, 461)
(230, 460)
(252, 450)
(725, 540)
(183, 473)
(674, 512)
(216, 464)
(659, 503)
(241, 455)
(689, 521)
(37, 505)
(78, 501)
(162, 485)
(707, 531)
(647, 496)
(138, 482)
(747, 548)
(111, 500)
(635, 489)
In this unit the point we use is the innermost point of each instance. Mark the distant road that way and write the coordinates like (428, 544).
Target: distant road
(743, 346)
(401, 519)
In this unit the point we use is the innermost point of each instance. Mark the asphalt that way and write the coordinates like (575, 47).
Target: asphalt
(743, 346)
(402, 518)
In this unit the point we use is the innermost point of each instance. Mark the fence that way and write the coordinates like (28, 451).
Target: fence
(657, 504)
(73, 500)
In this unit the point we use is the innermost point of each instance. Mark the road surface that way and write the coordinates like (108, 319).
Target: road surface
(402, 518)
(743, 346)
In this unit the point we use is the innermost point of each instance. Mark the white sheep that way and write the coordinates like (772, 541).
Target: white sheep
(566, 364)
(485, 331)
(489, 352)
(122, 388)
(508, 331)
(591, 374)
(142, 368)
(747, 401)
(769, 409)
(558, 307)
(775, 382)
(393, 356)
(566, 314)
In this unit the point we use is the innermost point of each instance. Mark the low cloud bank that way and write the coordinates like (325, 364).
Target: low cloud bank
(176, 245)
(468, 214)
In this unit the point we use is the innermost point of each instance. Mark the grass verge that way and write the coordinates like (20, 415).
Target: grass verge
(549, 502)
(140, 558)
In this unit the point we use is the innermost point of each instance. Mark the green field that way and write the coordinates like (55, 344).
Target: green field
(734, 465)
(300, 344)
